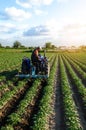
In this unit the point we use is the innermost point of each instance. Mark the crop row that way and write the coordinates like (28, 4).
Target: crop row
(78, 69)
(83, 66)
(78, 56)
(7, 84)
(71, 117)
(77, 82)
(12, 70)
(6, 87)
(8, 61)
(52, 61)
(41, 119)
(16, 117)
(7, 96)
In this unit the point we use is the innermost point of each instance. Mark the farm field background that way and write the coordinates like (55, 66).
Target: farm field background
(56, 104)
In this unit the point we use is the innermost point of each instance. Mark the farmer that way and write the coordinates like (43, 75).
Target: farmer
(36, 59)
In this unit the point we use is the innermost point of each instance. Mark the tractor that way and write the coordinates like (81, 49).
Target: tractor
(28, 70)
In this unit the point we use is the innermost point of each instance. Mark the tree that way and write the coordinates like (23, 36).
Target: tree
(53, 47)
(22, 47)
(17, 44)
(8, 47)
(48, 45)
(0, 45)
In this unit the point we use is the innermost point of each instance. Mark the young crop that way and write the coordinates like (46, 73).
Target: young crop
(80, 57)
(8, 95)
(83, 67)
(41, 118)
(77, 81)
(78, 69)
(37, 98)
(9, 127)
(15, 118)
(71, 116)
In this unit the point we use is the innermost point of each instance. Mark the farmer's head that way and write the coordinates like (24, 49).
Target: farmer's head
(38, 48)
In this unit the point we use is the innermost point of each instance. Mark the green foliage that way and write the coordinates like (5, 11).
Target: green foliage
(41, 118)
(9, 127)
(16, 44)
(78, 83)
(0, 45)
(71, 116)
(9, 61)
(49, 45)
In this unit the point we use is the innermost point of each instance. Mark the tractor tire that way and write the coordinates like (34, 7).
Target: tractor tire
(47, 69)
(23, 69)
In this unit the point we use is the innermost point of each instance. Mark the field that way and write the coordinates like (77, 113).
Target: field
(58, 103)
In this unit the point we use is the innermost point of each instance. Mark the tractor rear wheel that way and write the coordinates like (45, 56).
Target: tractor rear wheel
(47, 69)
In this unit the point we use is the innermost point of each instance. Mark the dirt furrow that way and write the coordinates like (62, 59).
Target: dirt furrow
(77, 99)
(77, 72)
(31, 110)
(56, 121)
(59, 113)
(11, 105)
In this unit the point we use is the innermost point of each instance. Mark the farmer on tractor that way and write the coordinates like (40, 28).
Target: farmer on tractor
(35, 58)
(39, 67)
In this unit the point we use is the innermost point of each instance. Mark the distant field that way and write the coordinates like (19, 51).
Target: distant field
(58, 103)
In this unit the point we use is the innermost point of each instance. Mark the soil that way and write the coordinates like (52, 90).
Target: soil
(56, 121)
(78, 101)
(77, 73)
(27, 118)
(10, 106)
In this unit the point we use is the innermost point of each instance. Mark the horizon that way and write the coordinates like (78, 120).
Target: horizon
(35, 22)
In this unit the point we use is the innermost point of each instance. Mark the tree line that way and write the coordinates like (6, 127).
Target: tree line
(18, 44)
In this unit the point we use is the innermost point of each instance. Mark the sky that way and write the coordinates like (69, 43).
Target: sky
(35, 22)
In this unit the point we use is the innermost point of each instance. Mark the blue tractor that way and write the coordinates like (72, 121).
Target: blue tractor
(28, 70)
